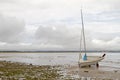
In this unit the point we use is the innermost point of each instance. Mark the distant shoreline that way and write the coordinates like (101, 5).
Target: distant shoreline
(57, 51)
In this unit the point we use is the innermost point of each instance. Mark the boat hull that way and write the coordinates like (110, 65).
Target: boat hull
(91, 60)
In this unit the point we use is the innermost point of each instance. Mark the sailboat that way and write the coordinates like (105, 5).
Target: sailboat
(87, 60)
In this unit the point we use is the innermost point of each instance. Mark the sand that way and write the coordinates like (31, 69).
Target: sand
(94, 73)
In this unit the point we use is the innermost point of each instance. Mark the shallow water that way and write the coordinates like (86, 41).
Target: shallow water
(111, 61)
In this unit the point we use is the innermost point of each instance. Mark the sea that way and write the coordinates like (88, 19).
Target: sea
(111, 61)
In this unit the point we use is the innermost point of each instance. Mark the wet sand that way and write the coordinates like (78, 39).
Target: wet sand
(93, 73)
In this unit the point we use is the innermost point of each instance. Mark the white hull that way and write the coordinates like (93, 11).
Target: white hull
(91, 60)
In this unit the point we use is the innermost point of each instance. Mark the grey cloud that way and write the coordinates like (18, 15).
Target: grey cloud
(103, 41)
(101, 24)
(69, 38)
(105, 36)
(64, 36)
(10, 28)
(7, 1)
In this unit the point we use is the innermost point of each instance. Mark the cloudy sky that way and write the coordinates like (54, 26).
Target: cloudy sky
(56, 24)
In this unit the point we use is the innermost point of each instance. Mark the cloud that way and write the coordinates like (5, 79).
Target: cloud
(66, 37)
(107, 45)
(61, 36)
(60, 24)
(10, 28)
(36, 11)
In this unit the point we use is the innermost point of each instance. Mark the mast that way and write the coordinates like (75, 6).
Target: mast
(82, 37)
(83, 31)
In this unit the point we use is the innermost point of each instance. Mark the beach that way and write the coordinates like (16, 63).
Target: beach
(94, 74)
(26, 66)
(20, 71)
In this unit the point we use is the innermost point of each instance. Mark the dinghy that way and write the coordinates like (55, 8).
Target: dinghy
(91, 60)
(87, 60)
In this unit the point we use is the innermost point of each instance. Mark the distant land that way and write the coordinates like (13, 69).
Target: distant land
(54, 51)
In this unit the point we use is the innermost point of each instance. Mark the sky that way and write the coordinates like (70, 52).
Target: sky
(56, 24)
